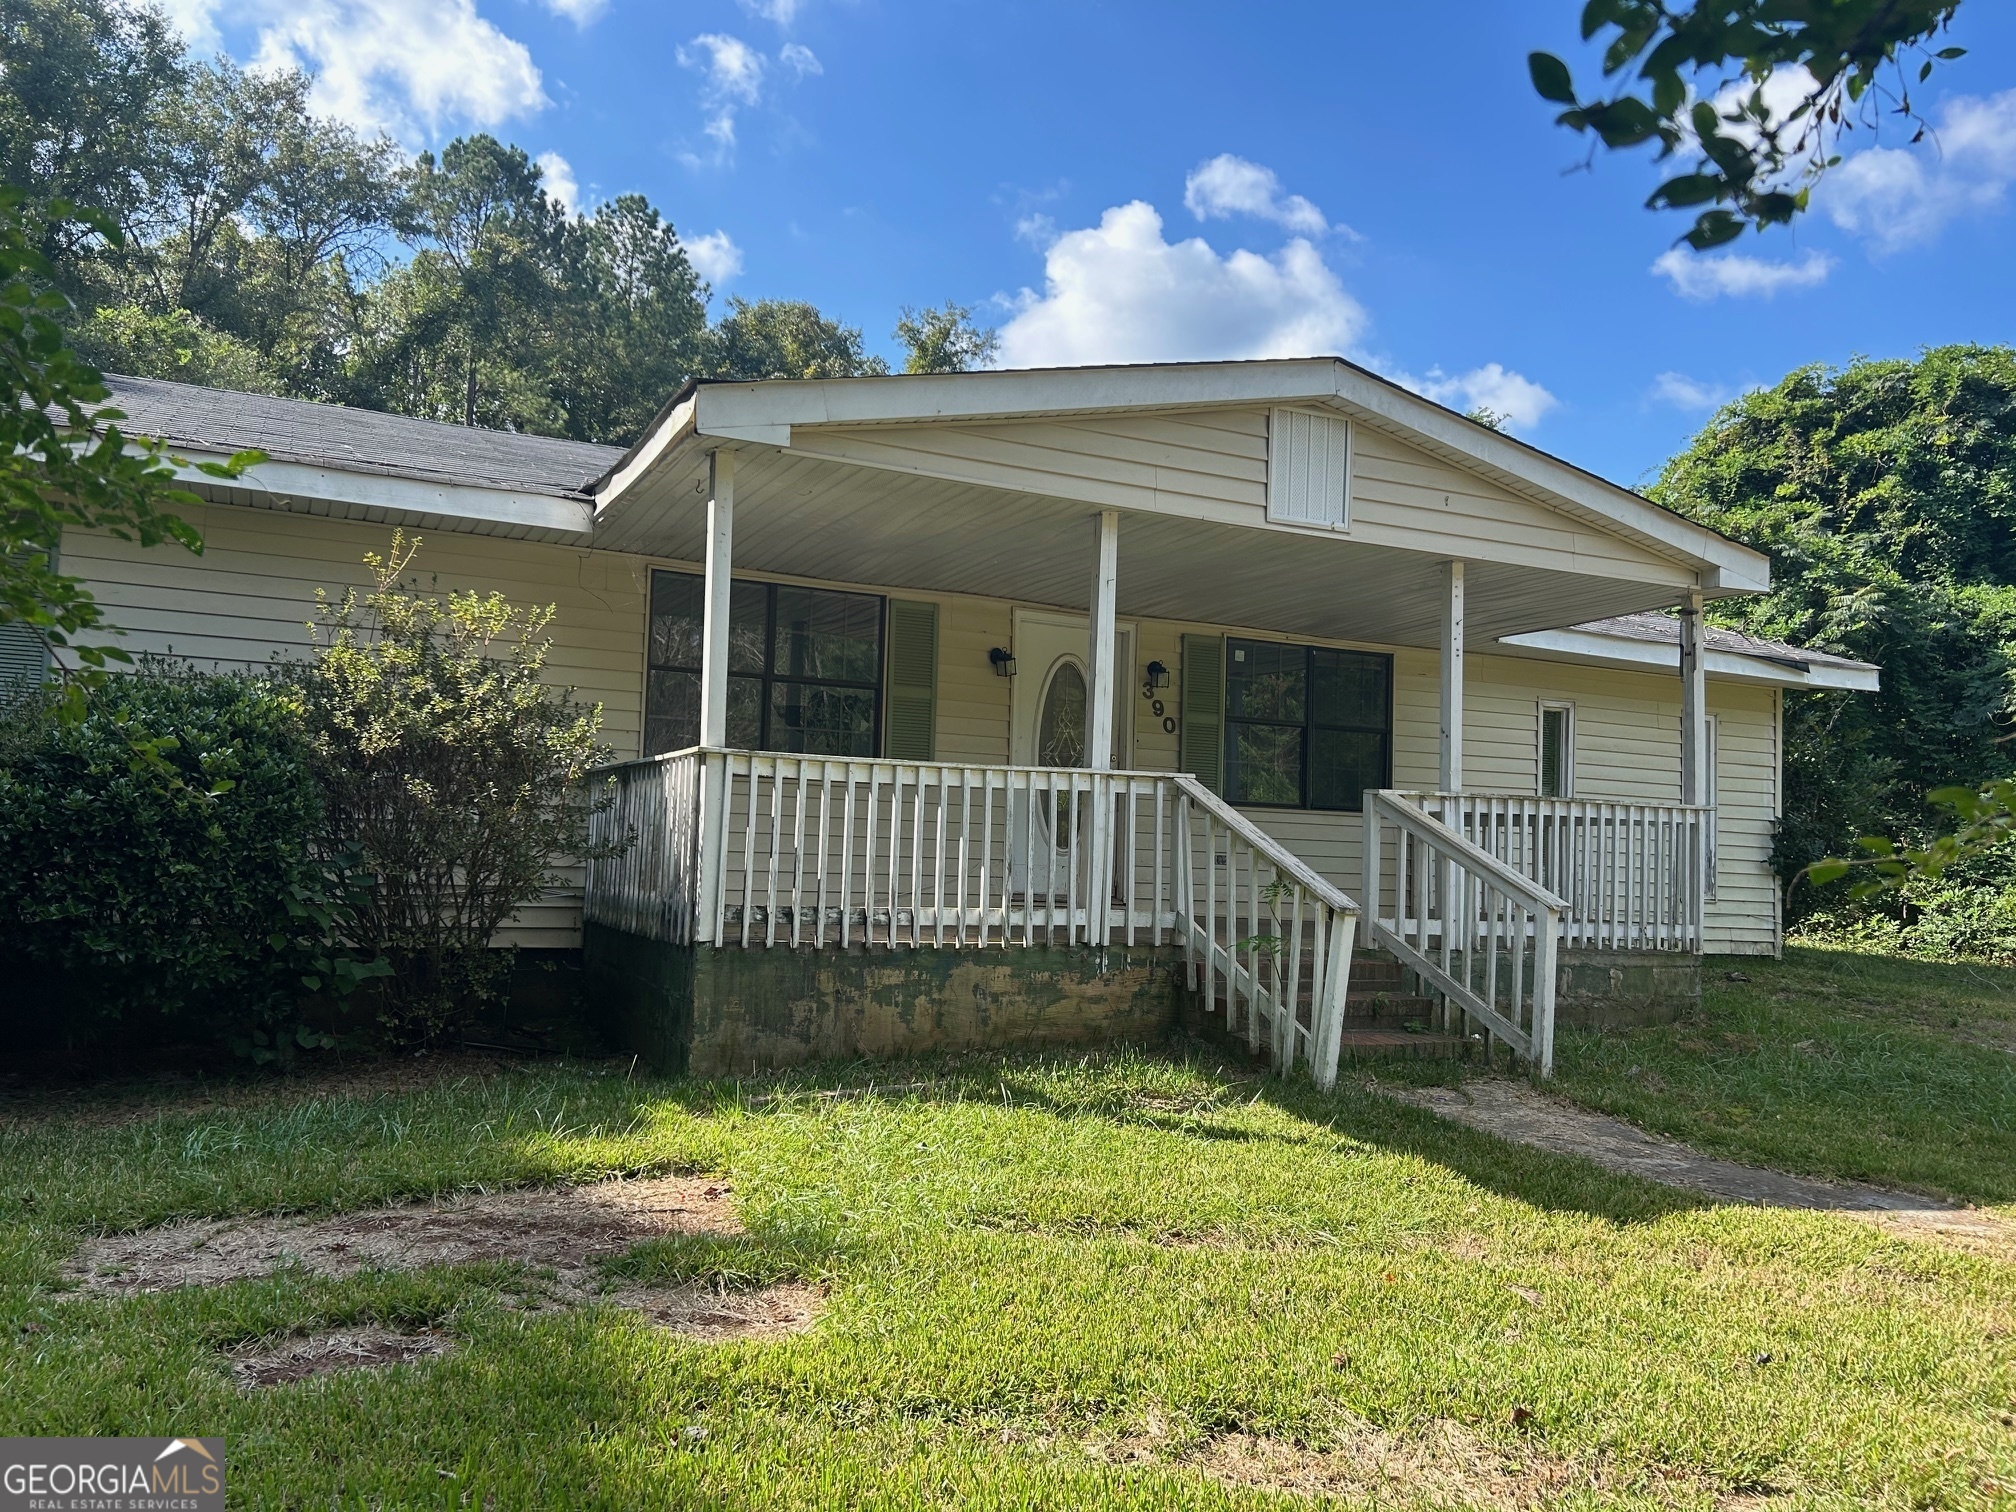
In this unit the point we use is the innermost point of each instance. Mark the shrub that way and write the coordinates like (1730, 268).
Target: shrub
(452, 770)
(159, 865)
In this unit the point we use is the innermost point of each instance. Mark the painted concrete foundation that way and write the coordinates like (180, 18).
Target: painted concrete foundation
(1620, 989)
(710, 1012)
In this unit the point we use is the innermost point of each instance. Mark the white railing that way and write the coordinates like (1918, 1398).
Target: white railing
(1268, 938)
(736, 848)
(1632, 876)
(1475, 930)
(651, 886)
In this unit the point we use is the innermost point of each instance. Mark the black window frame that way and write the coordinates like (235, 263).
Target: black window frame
(769, 677)
(1308, 724)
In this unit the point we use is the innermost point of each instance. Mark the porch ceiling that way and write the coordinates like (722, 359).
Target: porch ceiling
(801, 516)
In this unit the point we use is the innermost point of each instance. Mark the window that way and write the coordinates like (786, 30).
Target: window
(1557, 751)
(1711, 797)
(804, 668)
(1306, 726)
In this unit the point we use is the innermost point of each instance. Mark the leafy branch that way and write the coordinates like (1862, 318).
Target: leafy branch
(1692, 79)
(1984, 820)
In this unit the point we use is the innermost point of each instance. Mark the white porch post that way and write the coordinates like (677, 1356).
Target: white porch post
(1450, 773)
(714, 775)
(714, 623)
(1100, 645)
(1099, 657)
(1694, 753)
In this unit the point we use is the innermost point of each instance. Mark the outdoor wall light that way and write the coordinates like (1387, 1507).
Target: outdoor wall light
(1158, 676)
(1003, 660)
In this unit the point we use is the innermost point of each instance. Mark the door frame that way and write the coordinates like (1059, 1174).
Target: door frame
(1028, 681)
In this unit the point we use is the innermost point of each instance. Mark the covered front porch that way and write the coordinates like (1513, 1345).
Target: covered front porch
(1270, 843)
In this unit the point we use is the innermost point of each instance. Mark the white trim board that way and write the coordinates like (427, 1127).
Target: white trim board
(1640, 655)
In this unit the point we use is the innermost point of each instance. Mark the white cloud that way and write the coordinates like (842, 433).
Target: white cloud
(1226, 186)
(800, 60)
(1120, 292)
(783, 12)
(1732, 275)
(558, 176)
(1685, 393)
(733, 68)
(715, 257)
(580, 12)
(1517, 398)
(196, 22)
(1897, 198)
(405, 66)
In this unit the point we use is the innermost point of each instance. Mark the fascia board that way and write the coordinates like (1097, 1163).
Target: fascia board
(408, 496)
(1656, 656)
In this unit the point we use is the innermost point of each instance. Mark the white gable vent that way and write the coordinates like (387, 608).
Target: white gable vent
(1309, 469)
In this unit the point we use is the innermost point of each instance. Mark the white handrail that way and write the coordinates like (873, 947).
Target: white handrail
(1475, 930)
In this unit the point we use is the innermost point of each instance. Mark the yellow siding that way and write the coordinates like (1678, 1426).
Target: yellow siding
(247, 600)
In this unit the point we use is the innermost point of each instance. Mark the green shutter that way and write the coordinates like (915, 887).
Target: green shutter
(1202, 752)
(912, 728)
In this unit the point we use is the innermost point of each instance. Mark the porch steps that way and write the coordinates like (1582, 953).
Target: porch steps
(1384, 1018)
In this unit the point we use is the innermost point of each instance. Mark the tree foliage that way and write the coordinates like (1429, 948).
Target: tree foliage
(452, 770)
(1885, 493)
(945, 339)
(1695, 82)
(245, 242)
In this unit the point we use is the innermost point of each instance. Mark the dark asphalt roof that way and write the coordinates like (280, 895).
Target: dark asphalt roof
(355, 440)
(1655, 625)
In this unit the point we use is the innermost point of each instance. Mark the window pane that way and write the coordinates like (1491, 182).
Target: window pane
(1342, 765)
(1350, 688)
(827, 636)
(675, 620)
(822, 721)
(745, 713)
(678, 615)
(1264, 764)
(1553, 747)
(748, 615)
(671, 709)
(1265, 680)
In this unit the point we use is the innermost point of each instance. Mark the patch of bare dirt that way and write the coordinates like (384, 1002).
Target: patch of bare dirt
(1445, 1465)
(567, 1229)
(704, 1312)
(299, 1358)
(1514, 1110)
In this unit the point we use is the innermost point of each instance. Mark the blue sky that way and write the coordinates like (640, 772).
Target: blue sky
(1135, 181)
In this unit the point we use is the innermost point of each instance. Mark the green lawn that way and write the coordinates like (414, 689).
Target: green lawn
(1829, 1063)
(1062, 1283)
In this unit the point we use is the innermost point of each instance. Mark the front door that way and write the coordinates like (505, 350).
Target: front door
(1048, 728)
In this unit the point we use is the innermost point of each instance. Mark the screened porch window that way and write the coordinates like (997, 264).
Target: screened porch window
(804, 668)
(1306, 726)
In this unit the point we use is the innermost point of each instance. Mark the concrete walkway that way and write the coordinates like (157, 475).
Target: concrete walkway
(1513, 1110)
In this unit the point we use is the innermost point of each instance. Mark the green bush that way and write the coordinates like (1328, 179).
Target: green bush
(1965, 914)
(455, 773)
(161, 880)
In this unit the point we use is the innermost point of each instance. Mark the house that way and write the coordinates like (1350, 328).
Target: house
(983, 706)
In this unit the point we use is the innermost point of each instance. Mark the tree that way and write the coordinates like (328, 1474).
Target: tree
(786, 338)
(1885, 494)
(81, 82)
(64, 462)
(945, 340)
(1696, 82)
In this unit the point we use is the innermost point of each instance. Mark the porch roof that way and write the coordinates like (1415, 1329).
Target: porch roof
(1653, 640)
(831, 483)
